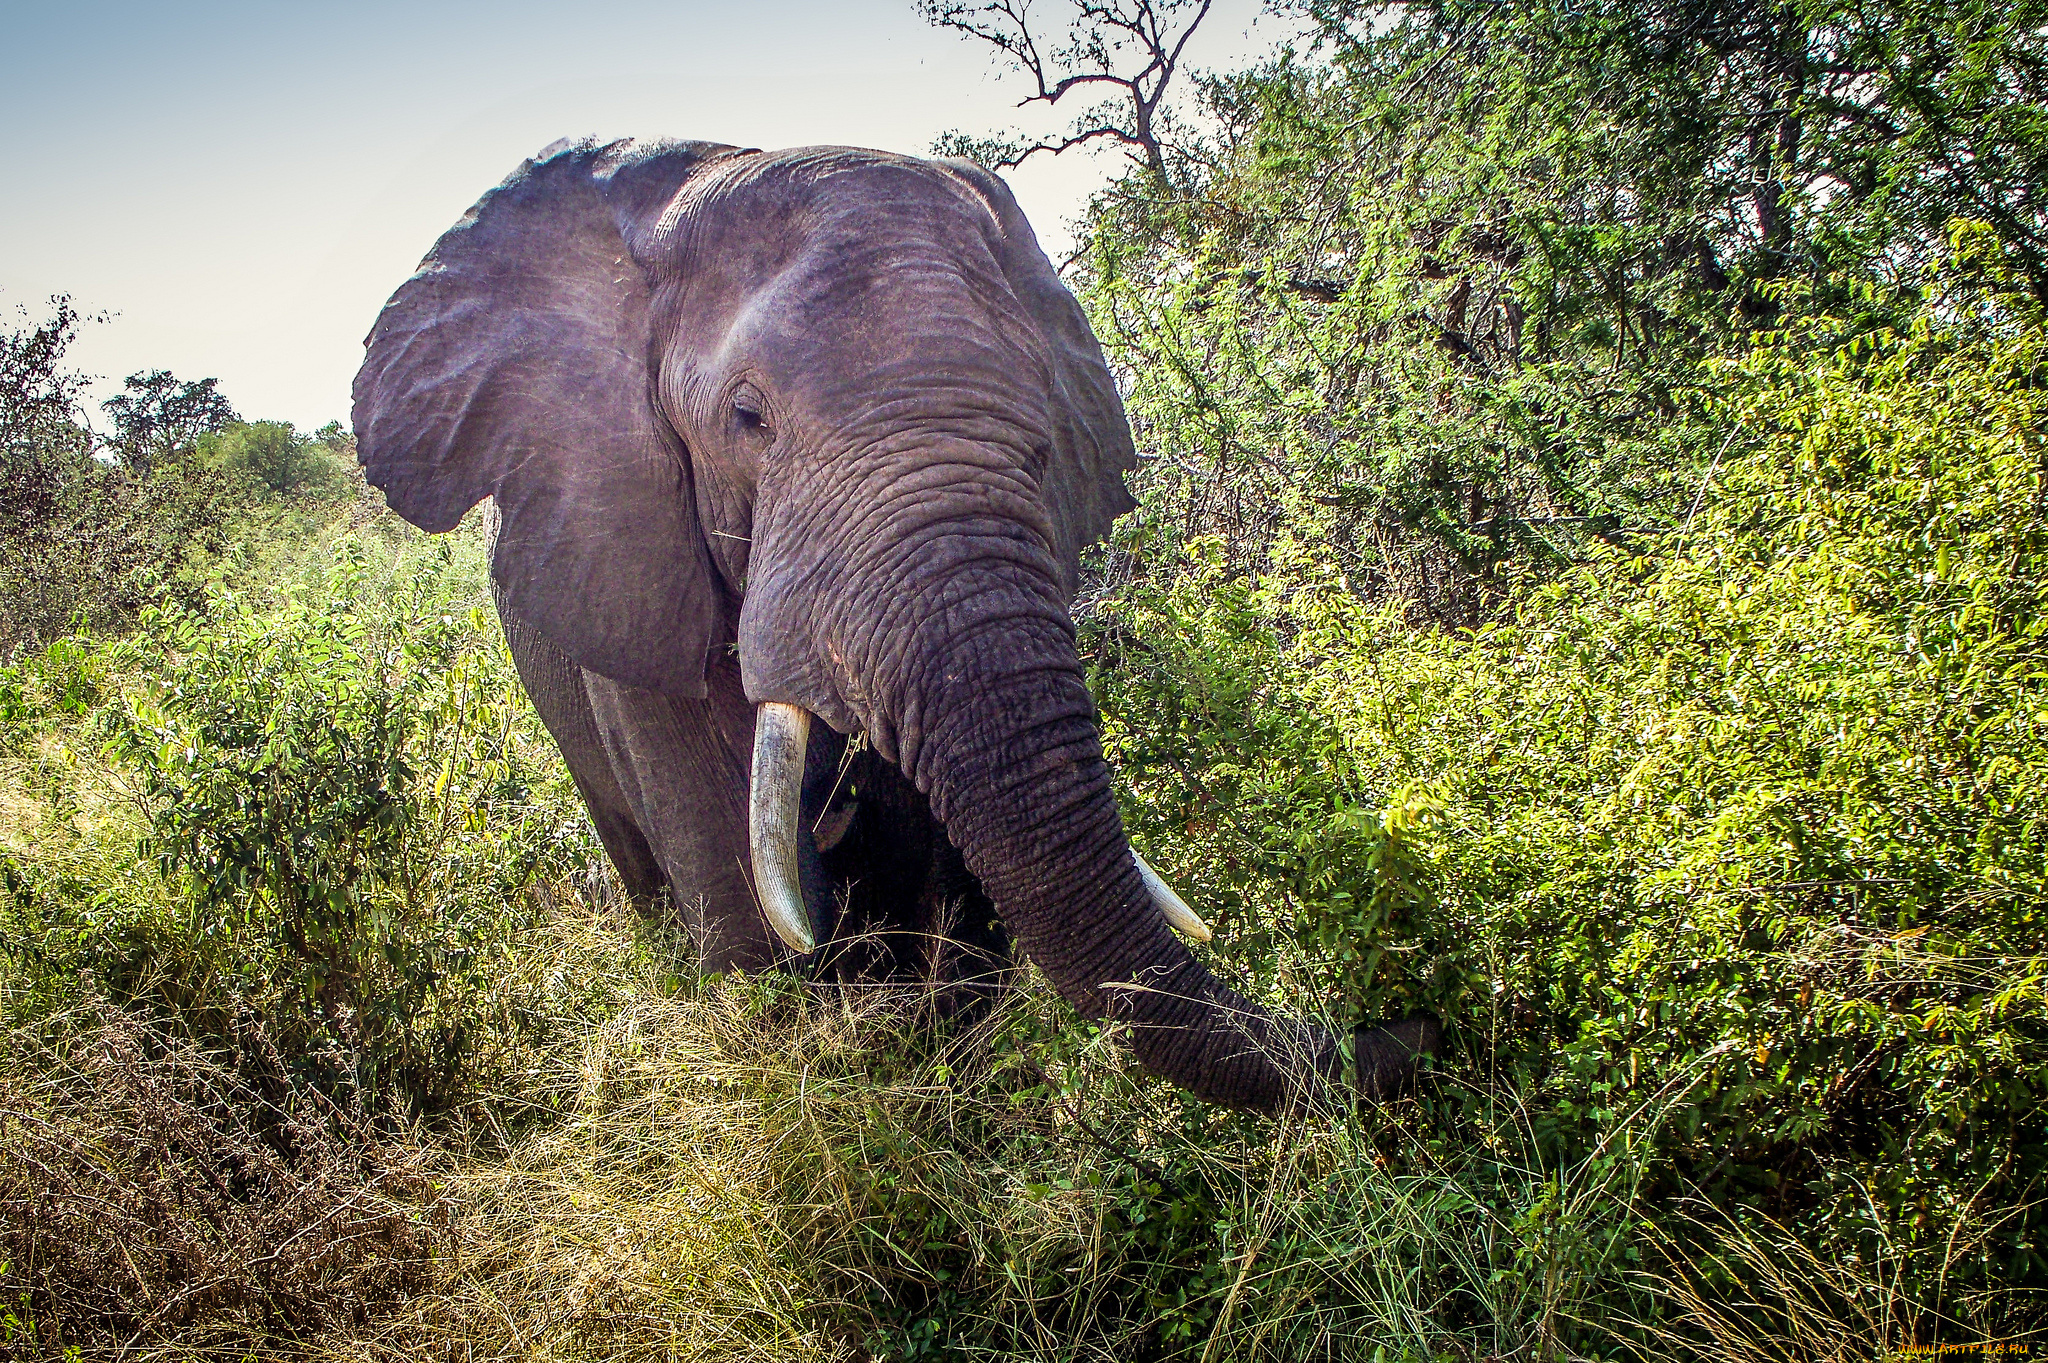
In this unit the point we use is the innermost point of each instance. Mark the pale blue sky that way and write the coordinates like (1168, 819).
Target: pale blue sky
(245, 183)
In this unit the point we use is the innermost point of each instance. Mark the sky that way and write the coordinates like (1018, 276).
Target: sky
(239, 186)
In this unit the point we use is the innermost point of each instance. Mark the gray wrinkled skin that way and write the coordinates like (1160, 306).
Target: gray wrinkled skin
(818, 426)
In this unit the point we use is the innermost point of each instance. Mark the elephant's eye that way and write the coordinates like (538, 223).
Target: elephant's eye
(747, 410)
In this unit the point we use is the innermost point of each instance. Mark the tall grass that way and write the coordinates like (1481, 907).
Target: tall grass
(157, 1197)
(752, 1169)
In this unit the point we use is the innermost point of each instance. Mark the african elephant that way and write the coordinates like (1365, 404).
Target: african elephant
(812, 433)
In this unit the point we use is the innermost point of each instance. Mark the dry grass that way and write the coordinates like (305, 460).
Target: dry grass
(649, 1221)
(156, 1199)
(740, 1171)
(750, 1169)
(745, 1171)
(1745, 1289)
(708, 1189)
(757, 1169)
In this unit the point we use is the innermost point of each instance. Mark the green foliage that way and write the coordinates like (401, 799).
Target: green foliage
(275, 457)
(1590, 586)
(349, 804)
(92, 531)
(1743, 821)
(1440, 302)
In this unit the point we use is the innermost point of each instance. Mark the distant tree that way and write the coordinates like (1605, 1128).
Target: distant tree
(339, 440)
(85, 541)
(273, 455)
(159, 415)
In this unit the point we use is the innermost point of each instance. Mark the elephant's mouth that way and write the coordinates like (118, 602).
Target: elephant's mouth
(777, 834)
(857, 876)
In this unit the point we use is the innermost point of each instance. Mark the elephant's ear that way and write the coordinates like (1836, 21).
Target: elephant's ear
(515, 365)
(1092, 439)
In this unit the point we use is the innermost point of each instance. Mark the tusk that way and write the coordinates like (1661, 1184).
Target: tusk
(781, 738)
(1179, 916)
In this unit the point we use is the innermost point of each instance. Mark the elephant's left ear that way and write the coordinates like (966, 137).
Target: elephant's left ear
(516, 365)
(1092, 438)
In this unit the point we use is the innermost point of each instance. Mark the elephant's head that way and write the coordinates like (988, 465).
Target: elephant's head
(832, 407)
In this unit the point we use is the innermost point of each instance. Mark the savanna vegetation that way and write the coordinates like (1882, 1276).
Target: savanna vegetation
(1589, 584)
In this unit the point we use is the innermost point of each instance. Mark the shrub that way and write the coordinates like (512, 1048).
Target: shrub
(345, 807)
(1745, 821)
(1720, 850)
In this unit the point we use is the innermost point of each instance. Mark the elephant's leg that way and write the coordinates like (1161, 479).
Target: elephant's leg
(555, 686)
(683, 766)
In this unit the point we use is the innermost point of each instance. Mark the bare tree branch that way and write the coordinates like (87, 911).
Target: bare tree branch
(1103, 41)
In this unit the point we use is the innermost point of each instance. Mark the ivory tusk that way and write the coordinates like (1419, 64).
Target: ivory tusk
(1179, 916)
(781, 738)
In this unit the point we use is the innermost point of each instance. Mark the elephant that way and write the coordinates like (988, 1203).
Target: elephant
(816, 434)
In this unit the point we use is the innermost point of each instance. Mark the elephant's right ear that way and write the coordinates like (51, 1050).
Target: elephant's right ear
(516, 365)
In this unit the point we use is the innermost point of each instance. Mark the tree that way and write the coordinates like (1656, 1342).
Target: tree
(158, 415)
(1438, 298)
(272, 454)
(42, 438)
(83, 539)
(1810, 135)
(1128, 49)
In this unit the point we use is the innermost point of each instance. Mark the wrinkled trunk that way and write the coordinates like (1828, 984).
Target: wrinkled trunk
(969, 681)
(1013, 766)
(999, 731)
(1037, 823)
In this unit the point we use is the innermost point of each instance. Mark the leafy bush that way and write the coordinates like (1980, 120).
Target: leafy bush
(1715, 830)
(1719, 855)
(1745, 820)
(347, 807)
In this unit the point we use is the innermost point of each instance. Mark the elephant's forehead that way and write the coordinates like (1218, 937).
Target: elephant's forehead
(785, 235)
(842, 259)
(824, 168)
(823, 192)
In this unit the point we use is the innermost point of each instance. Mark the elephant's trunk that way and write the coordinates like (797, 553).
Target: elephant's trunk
(1009, 753)
(1013, 766)
(969, 680)
(1035, 819)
